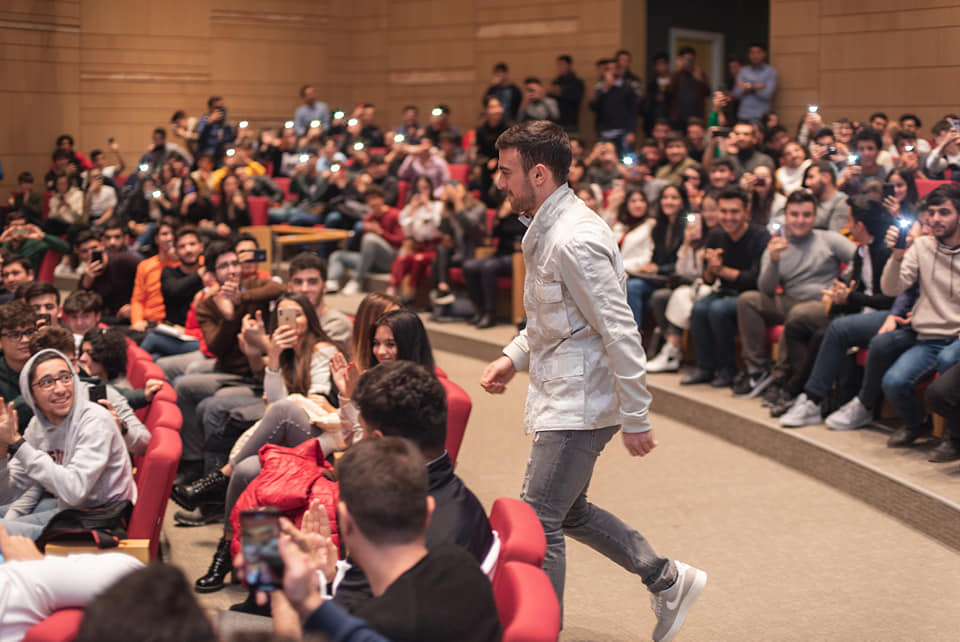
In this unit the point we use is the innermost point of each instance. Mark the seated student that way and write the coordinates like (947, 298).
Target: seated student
(803, 261)
(732, 264)
(18, 324)
(382, 238)
(678, 160)
(220, 317)
(481, 274)
(44, 298)
(70, 455)
(232, 212)
(943, 398)
(82, 310)
(794, 163)
(146, 300)
(722, 173)
(16, 272)
(420, 221)
(66, 206)
(179, 284)
(308, 273)
(821, 179)
(22, 237)
(862, 163)
(857, 310)
(33, 587)
(419, 592)
(93, 372)
(109, 273)
(943, 161)
(462, 229)
(26, 198)
(933, 346)
(747, 157)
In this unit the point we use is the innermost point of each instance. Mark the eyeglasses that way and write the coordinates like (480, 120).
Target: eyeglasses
(16, 335)
(49, 382)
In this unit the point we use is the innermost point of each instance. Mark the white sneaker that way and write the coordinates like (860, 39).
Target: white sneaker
(332, 287)
(671, 605)
(850, 416)
(352, 287)
(667, 360)
(803, 412)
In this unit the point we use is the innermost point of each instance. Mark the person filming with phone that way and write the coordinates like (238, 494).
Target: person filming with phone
(70, 456)
(944, 161)
(862, 162)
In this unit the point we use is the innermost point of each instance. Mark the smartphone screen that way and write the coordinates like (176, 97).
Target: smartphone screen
(262, 564)
(259, 255)
(887, 191)
(904, 223)
(96, 255)
(98, 392)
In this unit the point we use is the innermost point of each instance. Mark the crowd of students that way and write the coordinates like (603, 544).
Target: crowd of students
(726, 228)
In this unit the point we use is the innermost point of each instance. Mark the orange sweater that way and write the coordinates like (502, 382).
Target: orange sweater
(147, 300)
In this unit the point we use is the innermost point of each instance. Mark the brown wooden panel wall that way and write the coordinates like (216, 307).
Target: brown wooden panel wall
(102, 68)
(853, 57)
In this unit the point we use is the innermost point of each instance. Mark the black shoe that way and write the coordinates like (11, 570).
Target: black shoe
(751, 383)
(696, 377)
(206, 514)
(782, 404)
(906, 435)
(188, 472)
(219, 567)
(772, 394)
(723, 379)
(250, 606)
(948, 450)
(211, 488)
(486, 321)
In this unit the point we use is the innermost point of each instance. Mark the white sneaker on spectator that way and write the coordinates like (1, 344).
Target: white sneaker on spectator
(803, 412)
(667, 360)
(352, 287)
(850, 416)
(671, 605)
(332, 287)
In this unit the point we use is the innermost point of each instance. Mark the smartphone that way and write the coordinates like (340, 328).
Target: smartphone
(831, 150)
(98, 392)
(243, 124)
(338, 115)
(812, 109)
(96, 255)
(399, 138)
(691, 219)
(259, 256)
(776, 229)
(314, 124)
(887, 191)
(287, 316)
(904, 223)
(760, 181)
(721, 132)
(259, 533)
(358, 146)
(955, 125)
(45, 319)
(853, 159)
(629, 159)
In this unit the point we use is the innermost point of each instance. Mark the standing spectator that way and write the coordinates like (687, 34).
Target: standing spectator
(755, 85)
(567, 90)
(832, 207)
(160, 150)
(214, 133)
(506, 92)
(688, 89)
(616, 108)
(623, 60)
(801, 260)
(485, 139)
(311, 110)
(111, 274)
(536, 105)
(657, 99)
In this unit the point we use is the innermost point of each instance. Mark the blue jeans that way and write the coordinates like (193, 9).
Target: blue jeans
(638, 293)
(338, 221)
(842, 334)
(161, 345)
(293, 216)
(31, 524)
(917, 363)
(555, 485)
(713, 324)
(884, 350)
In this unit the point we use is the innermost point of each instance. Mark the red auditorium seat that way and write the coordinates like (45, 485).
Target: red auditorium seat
(62, 626)
(284, 183)
(528, 605)
(458, 413)
(773, 333)
(925, 186)
(459, 172)
(258, 206)
(521, 535)
(154, 477)
(403, 188)
(48, 265)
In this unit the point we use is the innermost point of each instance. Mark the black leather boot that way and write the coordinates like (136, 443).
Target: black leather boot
(219, 567)
(211, 488)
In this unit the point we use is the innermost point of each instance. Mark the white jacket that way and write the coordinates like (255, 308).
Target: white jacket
(637, 246)
(581, 344)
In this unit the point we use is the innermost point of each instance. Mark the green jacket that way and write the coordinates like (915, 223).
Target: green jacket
(35, 249)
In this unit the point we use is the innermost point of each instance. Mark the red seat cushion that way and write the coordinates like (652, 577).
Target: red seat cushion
(773, 333)
(521, 535)
(62, 626)
(527, 603)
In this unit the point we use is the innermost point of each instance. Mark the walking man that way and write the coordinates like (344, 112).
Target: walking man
(587, 369)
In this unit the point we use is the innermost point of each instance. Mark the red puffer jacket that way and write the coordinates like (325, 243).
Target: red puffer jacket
(290, 479)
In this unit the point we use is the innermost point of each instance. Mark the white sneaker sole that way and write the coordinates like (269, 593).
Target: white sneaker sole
(698, 584)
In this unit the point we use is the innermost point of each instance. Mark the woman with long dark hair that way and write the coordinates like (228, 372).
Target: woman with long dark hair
(905, 198)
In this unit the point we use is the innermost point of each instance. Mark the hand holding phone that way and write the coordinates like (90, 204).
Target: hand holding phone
(259, 534)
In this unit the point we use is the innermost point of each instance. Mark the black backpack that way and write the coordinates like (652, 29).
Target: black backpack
(104, 525)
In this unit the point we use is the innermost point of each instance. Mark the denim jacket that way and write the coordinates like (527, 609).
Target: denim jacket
(581, 344)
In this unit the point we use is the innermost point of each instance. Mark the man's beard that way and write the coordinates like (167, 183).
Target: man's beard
(525, 201)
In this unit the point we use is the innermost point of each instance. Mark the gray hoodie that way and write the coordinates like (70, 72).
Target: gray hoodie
(936, 314)
(83, 462)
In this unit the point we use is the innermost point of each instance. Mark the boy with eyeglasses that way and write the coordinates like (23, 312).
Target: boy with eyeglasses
(18, 324)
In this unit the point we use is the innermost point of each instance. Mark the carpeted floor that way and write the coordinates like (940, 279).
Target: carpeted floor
(789, 558)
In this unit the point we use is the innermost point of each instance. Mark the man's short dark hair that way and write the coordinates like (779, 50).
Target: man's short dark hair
(187, 230)
(501, 66)
(801, 196)
(62, 153)
(723, 162)
(532, 80)
(161, 131)
(824, 131)
(245, 236)
(25, 178)
(672, 139)
(82, 301)
(733, 192)
(565, 58)
(310, 261)
(87, 235)
(64, 137)
(214, 251)
(404, 399)
(384, 485)
(53, 337)
(687, 51)
(912, 117)
(95, 154)
(212, 100)
(660, 55)
(22, 261)
(378, 159)
(758, 44)
(868, 135)
(825, 167)
(413, 107)
(303, 90)
(870, 212)
(373, 191)
(108, 347)
(942, 126)
(878, 114)
(904, 137)
(943, 193)
(696, 121)
(17, 314)
(115, 223)
(177, 115)
(539, 142)
(40, 288)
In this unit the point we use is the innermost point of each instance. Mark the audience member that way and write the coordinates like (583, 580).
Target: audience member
(505, 91)
(310, 111)
(110, 272)
(147, 300)
(689, 89)
(755, 85)
(832, 207)
(22, 237)
(536, 104)
(616, 107)
(567, 89)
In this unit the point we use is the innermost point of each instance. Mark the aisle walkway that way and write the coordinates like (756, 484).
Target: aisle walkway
(789, 558)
